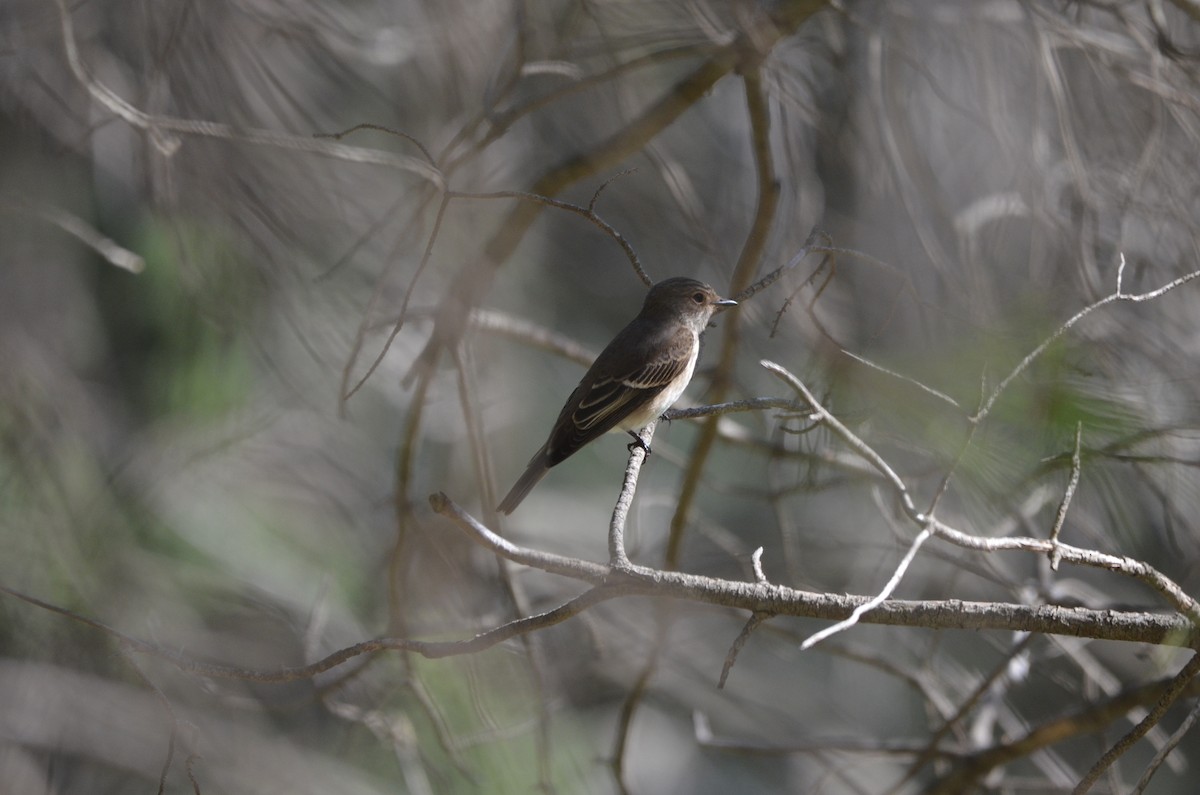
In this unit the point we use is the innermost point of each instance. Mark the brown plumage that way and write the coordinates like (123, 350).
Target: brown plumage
(641, 373)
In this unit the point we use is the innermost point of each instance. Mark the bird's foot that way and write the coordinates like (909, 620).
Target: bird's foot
(637, 442)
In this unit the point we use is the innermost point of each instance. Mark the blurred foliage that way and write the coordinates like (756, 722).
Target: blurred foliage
(176, 331)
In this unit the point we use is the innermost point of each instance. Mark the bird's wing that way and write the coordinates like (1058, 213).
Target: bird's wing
(613, 394)
(608, 394)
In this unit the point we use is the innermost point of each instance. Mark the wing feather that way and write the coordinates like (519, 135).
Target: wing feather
(606, 395)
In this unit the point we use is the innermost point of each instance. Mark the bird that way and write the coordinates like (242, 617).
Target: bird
(641, 373)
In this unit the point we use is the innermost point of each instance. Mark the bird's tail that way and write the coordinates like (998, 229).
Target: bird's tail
(536, 470)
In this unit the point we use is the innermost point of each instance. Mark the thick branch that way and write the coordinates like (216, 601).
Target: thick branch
(748, 262)
(778, 600)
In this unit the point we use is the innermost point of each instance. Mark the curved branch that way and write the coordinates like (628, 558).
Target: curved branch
(779, 600)
(159, 126)
(748, 263)
(1063, 552)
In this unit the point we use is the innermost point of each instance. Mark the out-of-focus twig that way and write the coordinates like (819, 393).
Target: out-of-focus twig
(161, 127)
(1175, 688)
(75, 226)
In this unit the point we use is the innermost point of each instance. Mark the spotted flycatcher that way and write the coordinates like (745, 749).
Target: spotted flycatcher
(634, 380)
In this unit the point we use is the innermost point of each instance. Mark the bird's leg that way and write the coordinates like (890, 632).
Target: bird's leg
(638, 441)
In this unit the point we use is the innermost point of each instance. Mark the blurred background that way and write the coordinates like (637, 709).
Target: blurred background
(207, 441)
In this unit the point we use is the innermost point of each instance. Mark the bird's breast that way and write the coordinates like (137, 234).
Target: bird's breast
(664, 399)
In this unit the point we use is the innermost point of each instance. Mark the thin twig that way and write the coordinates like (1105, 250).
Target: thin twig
(874, 601)
(830, 271)
(116, 254)
(337, 136)
(159, 126)
(617, 558)
(752, 624)
(766, 281)
(1135, 298)
(756, 561)
(848, 436)
(734, 406)
(584, 212)
(363, 325)
(1174, 690)
(499, 123)
(1061, 516)
(1086, 720)
(591, 208)
(629, 706)
(1136, 569)
(931, 750)
(1169, 746)
(738, 643)
(165, 702)
(1128, 566)
(907, 379)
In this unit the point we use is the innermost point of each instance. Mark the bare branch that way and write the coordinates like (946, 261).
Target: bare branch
(908, 380)
(426, 255)
(617, 558)
(546, 561)
(380, 128)
(500, 123)
(810, 245)
(1168, 747)
(1158, 628)
(756, 561)
(738, 643)
(530, 333)
(1061, 515)
(284, 674)
(749, 260)
(117, 255)
(1132, 568)
(1088, 719)
(874, 601)
(1174, 690)
(848, 436)
(930, 751)
(159, 126)
(1081, 557)
(586, 212)
(1065, 327)
(718, 409)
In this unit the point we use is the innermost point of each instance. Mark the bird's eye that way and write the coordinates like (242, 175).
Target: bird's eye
(698, 297)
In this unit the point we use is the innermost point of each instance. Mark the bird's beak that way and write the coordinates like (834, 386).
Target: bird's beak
(723, 302)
